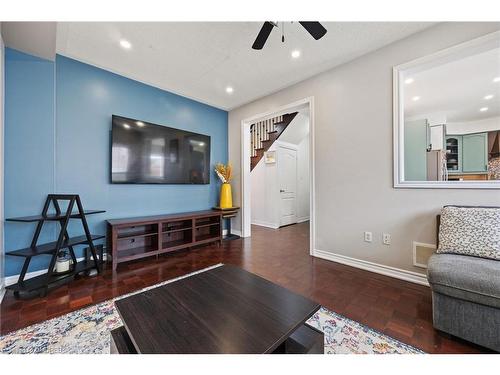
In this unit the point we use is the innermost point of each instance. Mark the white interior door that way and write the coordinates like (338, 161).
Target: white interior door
(287, 183)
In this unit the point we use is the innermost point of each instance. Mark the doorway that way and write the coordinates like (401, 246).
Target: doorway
(286, 192)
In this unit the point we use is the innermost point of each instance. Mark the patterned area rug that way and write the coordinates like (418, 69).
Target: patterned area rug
(87, 331)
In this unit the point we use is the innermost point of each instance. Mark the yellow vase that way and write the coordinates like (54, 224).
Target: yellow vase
(226, 198)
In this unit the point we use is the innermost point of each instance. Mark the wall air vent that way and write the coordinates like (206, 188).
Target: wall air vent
(421, 253)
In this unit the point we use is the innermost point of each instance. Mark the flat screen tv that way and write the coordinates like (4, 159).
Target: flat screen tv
(145, 153)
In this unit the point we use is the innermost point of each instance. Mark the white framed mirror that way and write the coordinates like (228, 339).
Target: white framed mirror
(447, 118)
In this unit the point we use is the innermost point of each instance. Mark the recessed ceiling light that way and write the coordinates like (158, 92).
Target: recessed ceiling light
(496, 79)
(125, 44)
(229, 89)
(139, 123)
(488, 97)
(295, 53)
(484, 109)
(409, 80)
(415, 98)
(126, 126)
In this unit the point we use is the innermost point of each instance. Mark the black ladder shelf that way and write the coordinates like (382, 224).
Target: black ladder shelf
(42, 282)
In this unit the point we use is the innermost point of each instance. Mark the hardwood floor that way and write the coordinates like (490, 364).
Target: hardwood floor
(397, 308)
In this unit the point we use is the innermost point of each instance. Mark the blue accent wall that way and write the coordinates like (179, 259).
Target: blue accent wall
(77, 150)
(28, 147)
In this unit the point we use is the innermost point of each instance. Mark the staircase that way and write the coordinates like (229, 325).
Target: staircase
(264, 133)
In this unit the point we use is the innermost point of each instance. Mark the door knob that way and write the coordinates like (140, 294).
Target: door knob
(282, 191)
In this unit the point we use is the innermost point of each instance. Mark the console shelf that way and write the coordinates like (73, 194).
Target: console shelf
(140, 237)
(64, 241)
(50, 247)
(177, 230)
(207, 225)
(129, 236)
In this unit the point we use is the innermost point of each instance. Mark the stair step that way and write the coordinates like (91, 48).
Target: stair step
(271, 137)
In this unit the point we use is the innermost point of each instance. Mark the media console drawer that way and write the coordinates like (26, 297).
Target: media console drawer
(140, 237)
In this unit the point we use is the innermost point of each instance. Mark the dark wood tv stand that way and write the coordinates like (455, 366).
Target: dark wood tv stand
(140, 237)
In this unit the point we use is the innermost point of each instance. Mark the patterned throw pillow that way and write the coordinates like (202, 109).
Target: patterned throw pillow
(470, 231)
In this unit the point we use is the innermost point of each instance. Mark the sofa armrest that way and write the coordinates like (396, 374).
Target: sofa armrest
(438, 224)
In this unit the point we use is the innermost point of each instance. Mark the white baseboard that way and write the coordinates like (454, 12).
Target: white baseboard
(9, 280)
(397, 273)
(302, 219)
(2, 293)
(265, 224)
(235, 231)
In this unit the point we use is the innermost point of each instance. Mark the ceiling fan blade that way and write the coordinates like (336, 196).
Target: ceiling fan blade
(264, 32)
(314, 28)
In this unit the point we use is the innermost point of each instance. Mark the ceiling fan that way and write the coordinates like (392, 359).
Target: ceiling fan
(314, 28)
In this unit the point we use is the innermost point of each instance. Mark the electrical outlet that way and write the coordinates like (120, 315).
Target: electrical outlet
(386, 238)
(368, 237)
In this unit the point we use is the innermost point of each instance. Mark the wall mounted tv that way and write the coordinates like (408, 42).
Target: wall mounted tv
(145, 153)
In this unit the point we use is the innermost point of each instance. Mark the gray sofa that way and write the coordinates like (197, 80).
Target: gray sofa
(466, 297)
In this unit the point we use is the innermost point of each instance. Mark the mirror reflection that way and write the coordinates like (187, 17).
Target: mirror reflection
(452, 119)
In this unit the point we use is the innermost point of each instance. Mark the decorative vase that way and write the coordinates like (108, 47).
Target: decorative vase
(226, 198)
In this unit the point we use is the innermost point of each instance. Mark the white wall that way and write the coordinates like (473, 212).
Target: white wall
(303, 193)
(265, 193)
(479, 126)
(353, 153)
(2, 262)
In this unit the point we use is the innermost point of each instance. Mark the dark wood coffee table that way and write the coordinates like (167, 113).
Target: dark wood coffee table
(222, 310)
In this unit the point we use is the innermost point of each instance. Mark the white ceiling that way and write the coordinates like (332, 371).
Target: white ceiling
(200, 59)
(35, 38)
(457, 89)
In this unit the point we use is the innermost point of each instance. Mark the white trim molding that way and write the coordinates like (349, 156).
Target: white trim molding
(416, 244)
(9, 280)
(233, 231)
(2, 293)
(413, 277)
(265, 224)
(246, 219)
(302, 219)
(236, 232)
(477, 45)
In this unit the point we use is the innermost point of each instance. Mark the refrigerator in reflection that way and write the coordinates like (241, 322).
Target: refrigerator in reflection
(436, 166)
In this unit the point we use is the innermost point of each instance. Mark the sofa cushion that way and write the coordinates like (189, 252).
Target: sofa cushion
(470, 231)
(465, 277)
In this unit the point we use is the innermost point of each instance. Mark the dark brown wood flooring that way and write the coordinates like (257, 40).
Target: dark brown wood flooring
(397, 308)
